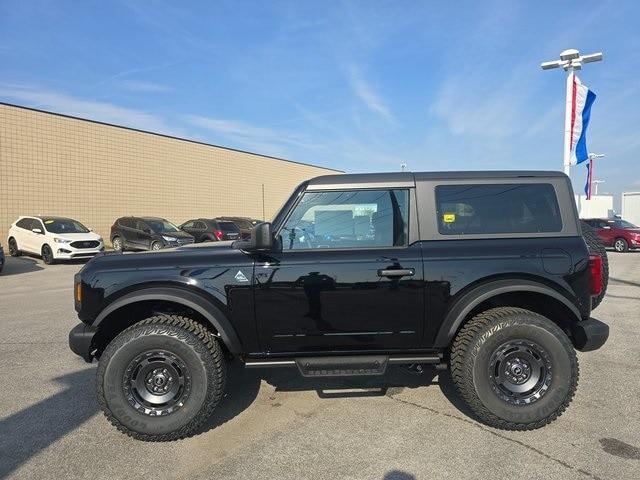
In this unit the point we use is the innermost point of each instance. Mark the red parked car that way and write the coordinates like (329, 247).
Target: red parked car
(616, 233)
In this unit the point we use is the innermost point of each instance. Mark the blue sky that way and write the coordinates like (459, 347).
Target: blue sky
(358, 86)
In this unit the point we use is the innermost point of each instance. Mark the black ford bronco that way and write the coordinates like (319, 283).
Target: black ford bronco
(486, 272)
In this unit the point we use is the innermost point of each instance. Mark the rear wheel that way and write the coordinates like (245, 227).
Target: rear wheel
(47, 255)
(597, 247)
(117, 244)
(13, 248)
(515, 369)
(621, 245)
(161, 379)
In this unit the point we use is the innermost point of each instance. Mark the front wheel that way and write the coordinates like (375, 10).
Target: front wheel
(621, 245)
(515, 369)
(47, 255)
(155, 246)
(161, 378)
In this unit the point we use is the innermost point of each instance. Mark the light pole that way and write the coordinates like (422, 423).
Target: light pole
(596, 183)
(570, 60)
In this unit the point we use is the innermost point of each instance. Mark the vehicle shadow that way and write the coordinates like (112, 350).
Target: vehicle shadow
(16, 266)
(27, 432)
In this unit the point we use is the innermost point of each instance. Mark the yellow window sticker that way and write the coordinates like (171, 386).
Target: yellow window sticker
(449, 217)
(49, 221)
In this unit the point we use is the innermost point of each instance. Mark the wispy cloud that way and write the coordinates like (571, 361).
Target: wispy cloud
(253, 136)
(93, 110)
(367, 95)
(142, 86)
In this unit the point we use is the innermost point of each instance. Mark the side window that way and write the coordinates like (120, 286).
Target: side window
(35, 223)
(497, 209)
(348, 219)
(189, 224)
(140, 225)
(201, 226)
(127, 222)
(24, 223)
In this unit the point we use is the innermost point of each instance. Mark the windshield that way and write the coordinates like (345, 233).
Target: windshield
(624, 224)
(63, 225)
(161, 226)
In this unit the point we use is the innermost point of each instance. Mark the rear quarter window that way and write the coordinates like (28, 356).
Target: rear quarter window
(497, 209)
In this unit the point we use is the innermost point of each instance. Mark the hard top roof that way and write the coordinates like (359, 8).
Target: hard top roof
(406, 179)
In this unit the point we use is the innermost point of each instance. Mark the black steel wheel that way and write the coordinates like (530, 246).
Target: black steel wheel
(514, 368)
(157, 382)
(520, 372)
(620, 245)
(47, 255)
(13, 248)
(161, 378)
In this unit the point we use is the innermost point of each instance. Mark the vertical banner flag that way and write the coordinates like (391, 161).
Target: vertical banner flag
(589, 184)
(581, 100)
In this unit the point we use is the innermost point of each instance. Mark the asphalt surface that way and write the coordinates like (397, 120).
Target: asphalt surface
(273, 424)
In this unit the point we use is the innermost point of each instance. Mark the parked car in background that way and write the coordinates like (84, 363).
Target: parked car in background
(1, 258)
(616, 233)
(210, 230)
(146, 233)
(53, 238)
(244, 224)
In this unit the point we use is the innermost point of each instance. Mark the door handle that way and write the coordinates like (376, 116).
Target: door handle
(400, 272)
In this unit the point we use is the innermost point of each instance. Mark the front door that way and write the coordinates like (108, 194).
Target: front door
(345, 278)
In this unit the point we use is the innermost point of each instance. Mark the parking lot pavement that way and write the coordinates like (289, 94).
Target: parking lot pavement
(276, 425)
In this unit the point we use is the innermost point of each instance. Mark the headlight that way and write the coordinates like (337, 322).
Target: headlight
(61, 240)
(170, 239)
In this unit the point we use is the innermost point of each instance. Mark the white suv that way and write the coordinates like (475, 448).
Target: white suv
(53, 238)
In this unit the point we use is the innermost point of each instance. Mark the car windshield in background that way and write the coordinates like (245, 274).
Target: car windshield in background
(63, 225)
(624, 224)
(228, 227)
(161, 226)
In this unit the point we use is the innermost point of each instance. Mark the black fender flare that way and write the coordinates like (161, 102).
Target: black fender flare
(479, 294)
(192, 300)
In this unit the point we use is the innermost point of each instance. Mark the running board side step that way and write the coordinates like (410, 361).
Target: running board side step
(345, 366)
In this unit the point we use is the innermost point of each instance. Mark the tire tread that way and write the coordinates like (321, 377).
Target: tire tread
(465, 348)
(205, 344)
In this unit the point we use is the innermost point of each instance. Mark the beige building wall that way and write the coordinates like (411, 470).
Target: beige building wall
(57, 165)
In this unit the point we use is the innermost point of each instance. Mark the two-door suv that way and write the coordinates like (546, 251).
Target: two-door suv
(487, 273)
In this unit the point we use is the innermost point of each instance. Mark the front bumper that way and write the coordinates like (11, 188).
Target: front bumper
(65, 251)
(589, 334)
(81, 341)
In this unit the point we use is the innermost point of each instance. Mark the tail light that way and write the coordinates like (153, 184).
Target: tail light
(218, 234)
(595, 269)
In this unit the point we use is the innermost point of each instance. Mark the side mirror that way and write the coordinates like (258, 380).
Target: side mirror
(36, 230)
(261, 237)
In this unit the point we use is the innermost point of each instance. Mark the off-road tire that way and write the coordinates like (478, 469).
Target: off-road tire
(596, 247)
(201, 354)
(473, 348)
(13, 248)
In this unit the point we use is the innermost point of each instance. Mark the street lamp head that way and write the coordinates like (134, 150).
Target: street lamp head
(569, 54)
(594, 57)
